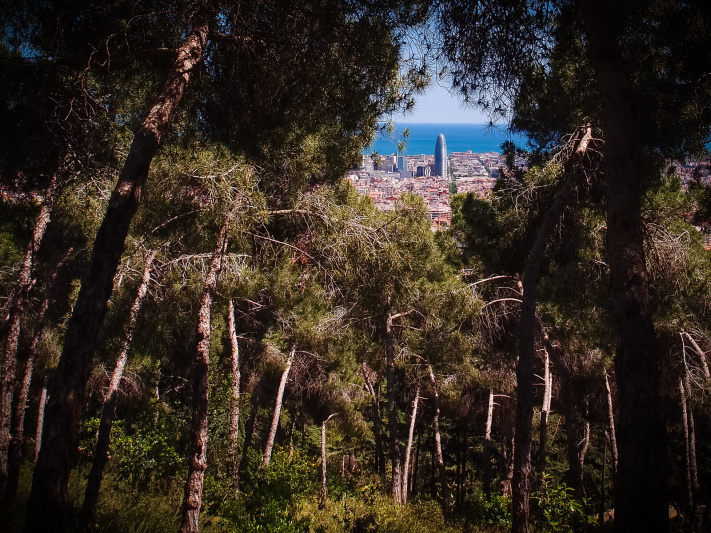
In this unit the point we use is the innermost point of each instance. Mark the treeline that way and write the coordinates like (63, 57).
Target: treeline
(204, 327)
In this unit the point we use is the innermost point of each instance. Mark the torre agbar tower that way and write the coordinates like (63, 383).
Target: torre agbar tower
(440, 166)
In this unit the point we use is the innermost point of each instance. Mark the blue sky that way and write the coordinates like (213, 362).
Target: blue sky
(438, 105)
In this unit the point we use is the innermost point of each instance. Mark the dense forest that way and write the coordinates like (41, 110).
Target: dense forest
(204, 327)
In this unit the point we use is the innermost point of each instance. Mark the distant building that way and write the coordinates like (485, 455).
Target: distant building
(440, 166)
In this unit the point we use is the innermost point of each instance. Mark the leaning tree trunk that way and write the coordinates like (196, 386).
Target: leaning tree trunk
(49, 496)
(641, 502)
(611, 424)
(108, 413)
(392, 411)
(18, 417)
(438, 447)
(14, 321)
(324, 490)
(234, 401)
(700, 353)
(40, 419)
(521, 483)
(408, 450)
(197, 463)
(277, 408)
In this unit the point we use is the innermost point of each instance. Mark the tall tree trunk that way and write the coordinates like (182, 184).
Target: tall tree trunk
(40, 419)
(49, 496)
(108, 413)
(234, 401)
(692, 439)
(408, 450)
(687, 455)
(197, 462)
(392, 411)
(18, 417)
(521, 483)
(641, 502)
(438, 447)
(277, 408)
(611, 424)
(486, 454)
(545, 412)
(14, 321)
(324, 490)
(377, 423)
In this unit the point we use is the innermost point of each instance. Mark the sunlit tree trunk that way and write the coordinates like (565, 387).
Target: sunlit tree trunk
(408, 450)
(700, 353)
(545, 412)
(49, 496)
(40, 420)
(277, 408)
(486, 454)
(611, 424)
(392, 412)
(685, 423)
(197, 463)
(108, 413)
(234, 401)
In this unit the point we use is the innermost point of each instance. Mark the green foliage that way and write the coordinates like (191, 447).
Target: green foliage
(557, 510)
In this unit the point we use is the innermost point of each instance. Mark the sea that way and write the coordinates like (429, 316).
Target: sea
(479, 138)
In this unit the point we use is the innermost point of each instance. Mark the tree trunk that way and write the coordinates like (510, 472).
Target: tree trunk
(108, 413)
(14, 321)
(40, 420)
(18, 418)
(324, 490)
(486, 454)
(197, 462)
(700, 353)
(692, 439)
(377, 424)
(438, 447)
(545, 412)
(685, 422)
(521, 483)
(641, 502)
(392, 411)
(611, 423)
(277, 408)
(49, 496)
(408, 450)
(234, 401)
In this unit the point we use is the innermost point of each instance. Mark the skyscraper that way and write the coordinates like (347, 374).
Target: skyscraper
(441, 167)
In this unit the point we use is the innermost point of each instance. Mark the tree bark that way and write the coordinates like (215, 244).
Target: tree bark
(611, 423)
(234, 401)
(18, 417)
(687, 455)
(40, 420)
(108, 413)
(392, 411)
(14, 321)
(545, 412)
(324, 490)
(438, 447)
(408, 450)
(197, 463)
(377, 423)
(641, 502)
(521, 483)
(486, 454)
(277, 408)
(49, 496)
(692, 439)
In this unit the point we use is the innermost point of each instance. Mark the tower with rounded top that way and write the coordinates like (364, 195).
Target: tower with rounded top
(440, 166)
